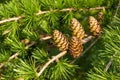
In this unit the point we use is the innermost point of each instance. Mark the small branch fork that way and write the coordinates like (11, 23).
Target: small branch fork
(44, 12)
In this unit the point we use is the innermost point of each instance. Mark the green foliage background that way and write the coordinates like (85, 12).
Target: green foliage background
(91, 66)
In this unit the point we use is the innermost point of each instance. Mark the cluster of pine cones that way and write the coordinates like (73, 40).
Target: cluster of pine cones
(75, 44)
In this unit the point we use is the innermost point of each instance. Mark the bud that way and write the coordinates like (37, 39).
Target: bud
(25, 41)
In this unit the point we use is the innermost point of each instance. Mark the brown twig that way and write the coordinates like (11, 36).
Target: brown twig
(6, 31)
(50, 61)
(16, 54)
(117, 8)
(45, 38)
(33, 43)
(59, 56)
(97, 8)
(44, 12)
(87, 39)
(10, 58)
(109, 63)
(11, 19)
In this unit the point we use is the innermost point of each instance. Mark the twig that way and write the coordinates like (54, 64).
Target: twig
(33, 43)
(85, 50)
(10, 58)
(6, 31)
(109, 63)
(11, 19)
(44, 12)
(62, 10)
(117, 8)
(16, 54)
(50, 61)
(60, 55)
(45, 38)
(67, 9)
(87, 39)
(97, 8)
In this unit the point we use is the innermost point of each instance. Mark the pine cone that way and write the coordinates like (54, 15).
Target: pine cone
(77, 29)
(95, 28)
(75, 47)
(100, 17)
(60, 40)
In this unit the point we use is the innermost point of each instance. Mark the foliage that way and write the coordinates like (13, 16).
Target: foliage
(54, 15)
(63, 71)
(110, 52)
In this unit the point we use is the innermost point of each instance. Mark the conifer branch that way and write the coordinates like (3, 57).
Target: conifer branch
(16, 54)
(44, 12)
(59, 56)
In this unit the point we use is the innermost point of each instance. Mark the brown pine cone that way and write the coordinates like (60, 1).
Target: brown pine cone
(95, 28)
(100, 17)
(75, 47)
(77, 29)
(60, 40)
